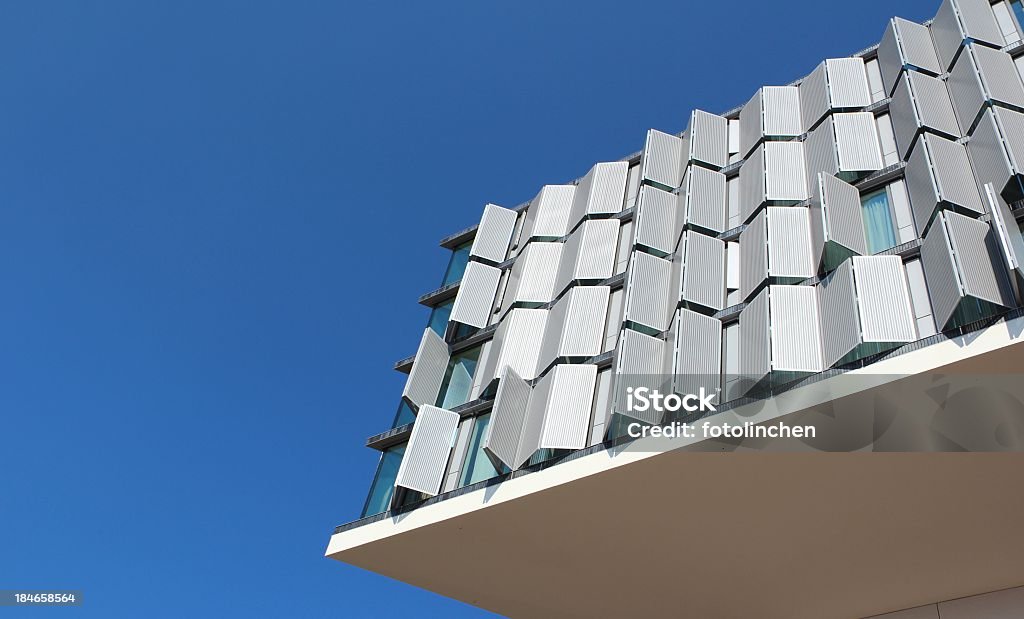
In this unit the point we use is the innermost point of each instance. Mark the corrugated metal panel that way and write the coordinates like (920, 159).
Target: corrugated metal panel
(785, 174)
(843, 215)
(576, 325)
(755, 348)
(947, 34)
(789, 242)
(709, 139)
(883, 300)
(839, 320)
(974, 249)
(602, 191)
(532, 279)
(751, 123)
(589, 254)
(752, 184)
(782, 111)
(988, 153)
(820, 151)
(475, 300)
(957, 184)
(1011, 124)
(641, 361)
(517, 343)
(890, 55)
(795, 329)
(703, 281)
(659, 220)
(508, 416)
(999, 75)
(939, 172)
(753, 255)
(494, 234)
(534, 425)
(857, 143)
(921, 101)
(917, 47)
(705, 198)
(958, 20)
(648, 296)
(428, 369)
(848, 83)
(1010, 238)
(548, 215)
(814, 96)
(966, 90)
(940, 272)
(568, 406)
(426, 455)
(698, 353)
(662, 162)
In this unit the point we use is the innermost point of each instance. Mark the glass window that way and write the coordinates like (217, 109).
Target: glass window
(478, 466)
(457, 264)
(439, 317)
(1018, 11)
(404, 416)
(458, 379)
(879, 228)
(379, 499)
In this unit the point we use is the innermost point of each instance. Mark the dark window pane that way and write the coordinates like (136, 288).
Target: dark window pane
(383, 486)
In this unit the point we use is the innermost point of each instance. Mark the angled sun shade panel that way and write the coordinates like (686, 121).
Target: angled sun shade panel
(548, 215)
(789, 243)
(648, 295)
(997, 148)
(979, 76)
(939, 177)
(576, 325)
(703, 272)
(641, 362)
(661, 164)
(921, 103)
(774, 174)
(962, 268)
(773, 112)
(601, 192)
(533, 276)
(754, 255)
(426, 455)
(659, 220)
(475, 299)
(964, 20)
(754, 335)
(516, 344)
(494, 234)
(909, 45)
(866, 309)
(837, 222)
(698, 353)
(795, 329)
(589, 253)
(708, 139)
(844, 145)
(1011, 241)
(508, 416)
(569, 401)
(837, 84)
(704, 199)
(428, 370)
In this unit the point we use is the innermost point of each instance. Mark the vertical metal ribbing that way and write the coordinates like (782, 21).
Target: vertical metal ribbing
(976, 255)
(648, 294)
(428, 369)
(883, 300)
(940, 272)
(754, 335)
(662, 161)
(475, 298)
(426, 454)
(508, 416)
(704, 196)
(795, 329)
(659, 220)
(839, 320)
(567, 409)
(789, 243)
(494, 234)
(753, 255)
(548, 215)
(533, 275)
(703, 271)
(698, 353)
(641, 361)
(708, 139)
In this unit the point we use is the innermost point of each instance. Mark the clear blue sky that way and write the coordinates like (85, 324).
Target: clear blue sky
(215, 220)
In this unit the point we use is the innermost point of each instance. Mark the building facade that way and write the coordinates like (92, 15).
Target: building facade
(868, 210)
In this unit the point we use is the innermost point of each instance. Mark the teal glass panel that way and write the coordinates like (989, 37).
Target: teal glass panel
(879, 228)
(404, 416)
(458, 379)
(478, 466)
(457, 264)
(379, 499)
(439, 317)
(1018, 11)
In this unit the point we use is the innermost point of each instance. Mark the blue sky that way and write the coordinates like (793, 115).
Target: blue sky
(215, 219)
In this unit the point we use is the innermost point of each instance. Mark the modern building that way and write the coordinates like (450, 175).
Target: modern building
(824, 253)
